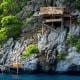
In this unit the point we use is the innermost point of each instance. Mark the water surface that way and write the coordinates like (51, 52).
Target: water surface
(38, 77)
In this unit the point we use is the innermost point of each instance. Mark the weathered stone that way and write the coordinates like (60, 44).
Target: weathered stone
(51, 39)
(74, 30)
(72, 58)
(30, 64)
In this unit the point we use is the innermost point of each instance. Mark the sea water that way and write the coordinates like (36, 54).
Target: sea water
(38, 77)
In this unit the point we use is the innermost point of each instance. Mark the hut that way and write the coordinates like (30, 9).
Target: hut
(55, 17)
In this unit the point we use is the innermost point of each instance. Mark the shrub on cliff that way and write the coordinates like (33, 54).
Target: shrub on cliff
(78, 45)
(12, 6)
(61, 56)
(77, 4)
(3, 34)
(31, 49)
(74, 41)
(13, 25)
(9, 7)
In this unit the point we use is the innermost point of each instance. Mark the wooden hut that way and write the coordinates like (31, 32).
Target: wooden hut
(55, 16)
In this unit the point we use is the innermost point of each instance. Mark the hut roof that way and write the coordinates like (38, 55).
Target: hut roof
(51, 10)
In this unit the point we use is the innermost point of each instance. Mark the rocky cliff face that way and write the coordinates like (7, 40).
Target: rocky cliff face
(57, 41)
(55, 54)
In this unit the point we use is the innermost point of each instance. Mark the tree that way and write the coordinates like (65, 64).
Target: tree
(3, 34)
(13, 25)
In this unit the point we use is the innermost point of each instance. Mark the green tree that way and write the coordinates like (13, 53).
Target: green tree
(13, 25)
(3, 34)
(8, 8)
(13, 6)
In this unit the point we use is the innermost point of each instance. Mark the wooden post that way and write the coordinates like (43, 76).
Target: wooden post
(42, 28)
(17, 64)
(53, 18)
(70, 21)
(62, 23)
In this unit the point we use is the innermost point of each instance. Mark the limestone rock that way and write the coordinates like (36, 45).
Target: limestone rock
(30, 64)
(73, 58)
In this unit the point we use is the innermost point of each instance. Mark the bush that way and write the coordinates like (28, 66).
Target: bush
(72, 40)
(3, 34)
(9, 20)
(78, 45)
(12, 6)
(77, 4)
(1, 11)
(4, 7)
(13, 25)
(31, 49)
(61, 56)
(9, 7)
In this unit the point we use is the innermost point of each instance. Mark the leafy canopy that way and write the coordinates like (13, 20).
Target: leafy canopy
(13, 25)
(3, 34)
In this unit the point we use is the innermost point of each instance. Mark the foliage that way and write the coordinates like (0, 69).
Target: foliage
(8, 20)
(61, 56)
(77, 4)
(29, 14)
(1, 11)
(74, 41)
(8, 10)
(5, 8)
(9, 7)
(1, 1)
(78, 45)
(13, 25)
(14, 6)
(31, 49)
(3, 34)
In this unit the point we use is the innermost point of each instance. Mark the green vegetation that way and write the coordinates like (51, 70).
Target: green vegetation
(8, 19)
(13, 25)
(3, 34)
(61, 56)
(31, 49)
(77, 4)
(74, 41)
(12, 6)
(78, 45)
(10, 25)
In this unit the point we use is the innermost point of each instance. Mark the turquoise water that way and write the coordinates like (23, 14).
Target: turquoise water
(38, 77)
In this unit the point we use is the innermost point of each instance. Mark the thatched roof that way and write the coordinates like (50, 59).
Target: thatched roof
(51, 10)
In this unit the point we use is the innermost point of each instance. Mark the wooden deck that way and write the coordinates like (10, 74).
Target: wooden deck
(53, 20)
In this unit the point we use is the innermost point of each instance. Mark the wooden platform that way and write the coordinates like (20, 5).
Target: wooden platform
(53, 20)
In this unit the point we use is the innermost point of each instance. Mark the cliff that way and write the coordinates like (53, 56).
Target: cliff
(59, 49)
